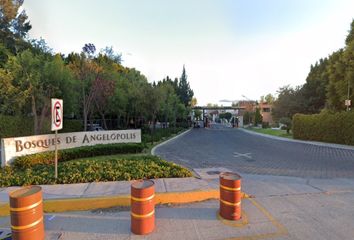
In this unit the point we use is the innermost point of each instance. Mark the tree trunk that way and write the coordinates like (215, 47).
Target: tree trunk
(35, 117)
(44, 113)
(127, 120)
(90, 118)
(85, 118)
(104, 121)
(153, 128)
(118, 121)
(85, 111)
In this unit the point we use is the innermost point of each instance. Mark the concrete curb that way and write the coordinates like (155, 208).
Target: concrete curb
(321, 144)
(169, 140)
(83, 204)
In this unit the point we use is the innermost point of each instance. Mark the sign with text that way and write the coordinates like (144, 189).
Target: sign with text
(57, 114)
(19, 146)
(348, 102)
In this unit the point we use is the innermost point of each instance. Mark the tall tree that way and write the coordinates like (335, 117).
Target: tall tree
(86, 71)
(350, 38)
(337, 87)
(184, 92)
(103, 89)
(14, 26)
(314, 90)
(34, 79)
(269, 98)
(340, 71)
(258, 118)
(288, 103)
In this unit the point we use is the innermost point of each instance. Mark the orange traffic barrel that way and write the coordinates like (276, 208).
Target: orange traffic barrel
(230, 196)
(26, 210)
(142, 207)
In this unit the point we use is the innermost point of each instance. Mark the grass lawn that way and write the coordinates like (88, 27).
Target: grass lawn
(274, 132)
(94, 169)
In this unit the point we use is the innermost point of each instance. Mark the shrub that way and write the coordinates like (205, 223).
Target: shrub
(265, 125)
(258, 117)
(183, 124)
(287, 122)
(159, 134)
(325, 127)
(16, 126)
(75, 153)
(13, 126)
(93, 170)
(72, 126)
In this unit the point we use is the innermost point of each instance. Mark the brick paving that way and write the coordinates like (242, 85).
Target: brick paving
(254, 154)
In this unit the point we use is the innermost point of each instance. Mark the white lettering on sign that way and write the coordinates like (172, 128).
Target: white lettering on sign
(19, 146)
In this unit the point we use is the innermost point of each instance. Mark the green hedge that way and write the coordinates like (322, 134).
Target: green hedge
(18, 126)
(14, 126)
(159, 134)
(325, 127)
(93, 170)
(75, 153)
(72, 126)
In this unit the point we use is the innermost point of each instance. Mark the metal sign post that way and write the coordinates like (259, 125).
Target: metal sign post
(57, 124)
(348, 103)
(56, 154)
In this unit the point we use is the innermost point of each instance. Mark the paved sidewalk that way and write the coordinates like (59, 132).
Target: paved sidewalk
(278, 208)
(86, 196)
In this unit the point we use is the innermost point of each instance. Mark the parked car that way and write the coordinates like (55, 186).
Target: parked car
(94, 127)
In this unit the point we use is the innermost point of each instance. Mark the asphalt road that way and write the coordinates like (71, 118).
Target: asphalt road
(243, 152)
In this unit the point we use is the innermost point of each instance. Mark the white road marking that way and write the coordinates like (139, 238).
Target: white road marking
(246, 155)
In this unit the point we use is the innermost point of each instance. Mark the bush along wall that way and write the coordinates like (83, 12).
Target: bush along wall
(325, 127)
(114, 168)
(159, 134)
(18, 126)
(15, 126)
(75, 153)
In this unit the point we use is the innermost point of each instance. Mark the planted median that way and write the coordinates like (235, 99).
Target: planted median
(102, 169)
(99, 163)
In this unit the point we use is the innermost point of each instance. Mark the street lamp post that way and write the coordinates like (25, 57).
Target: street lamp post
(348, 103)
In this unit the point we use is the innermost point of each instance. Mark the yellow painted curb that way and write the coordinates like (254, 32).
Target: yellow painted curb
(4, 210)
(82, 204)
(186, 197)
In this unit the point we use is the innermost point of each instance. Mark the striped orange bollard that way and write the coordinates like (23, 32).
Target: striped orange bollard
(230, 196)
(142, 207)
(26, 210)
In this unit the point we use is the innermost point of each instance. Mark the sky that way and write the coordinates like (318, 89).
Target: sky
(231, 49)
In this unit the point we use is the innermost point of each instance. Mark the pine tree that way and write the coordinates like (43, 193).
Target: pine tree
(184, 92)
(14, 25)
